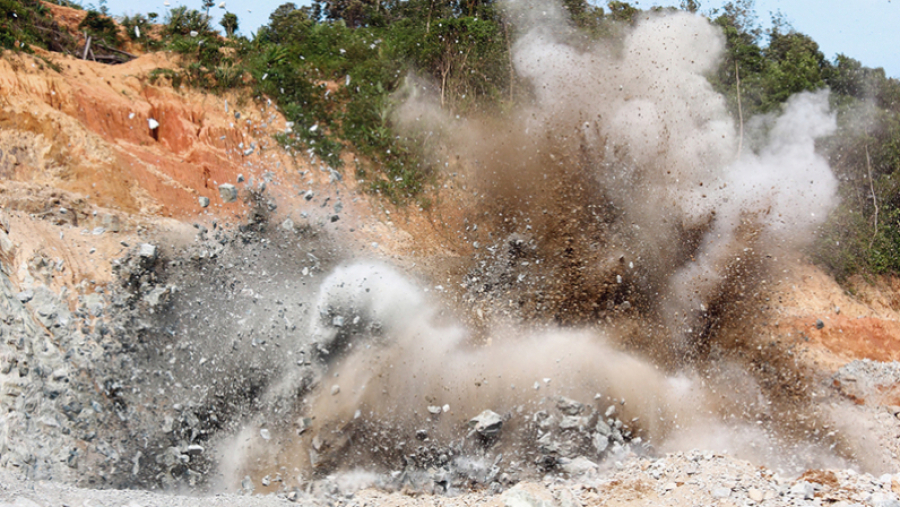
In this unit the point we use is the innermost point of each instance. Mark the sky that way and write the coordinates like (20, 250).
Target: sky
(867, 30)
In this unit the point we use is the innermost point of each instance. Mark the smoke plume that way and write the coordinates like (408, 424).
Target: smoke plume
(628, 146)
(624, 193)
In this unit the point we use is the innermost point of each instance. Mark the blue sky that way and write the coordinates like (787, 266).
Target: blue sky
(868, 30)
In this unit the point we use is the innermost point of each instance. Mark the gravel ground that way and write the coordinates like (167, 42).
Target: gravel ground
(100, 390)
(691, 478)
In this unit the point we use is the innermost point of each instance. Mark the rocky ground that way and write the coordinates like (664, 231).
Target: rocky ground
(692, 478)
(162, 319)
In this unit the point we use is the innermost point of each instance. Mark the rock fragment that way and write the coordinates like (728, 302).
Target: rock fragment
(228, 192)
(803, 489)
(487, 424)
(578, 466)
(721, 492)
(569, 406)
(147, 251)
(528, 495)
(755, 495)
(111, 222)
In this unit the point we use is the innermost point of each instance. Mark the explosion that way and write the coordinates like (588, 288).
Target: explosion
(621, 224)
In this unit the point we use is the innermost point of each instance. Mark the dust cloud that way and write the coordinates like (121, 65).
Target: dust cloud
(633, 146)
(646, 211)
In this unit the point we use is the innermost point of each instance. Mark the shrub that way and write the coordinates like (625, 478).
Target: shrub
(182, 21)
(101, 28)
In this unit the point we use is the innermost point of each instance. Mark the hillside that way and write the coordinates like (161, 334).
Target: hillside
(190, 304)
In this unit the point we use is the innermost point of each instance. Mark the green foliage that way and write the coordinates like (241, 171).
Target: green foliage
(138, 29)
(884, 253)
(623, 11)
(230, 23)
(101, 28)
(853, 243)
(354, 13)
(138, 21)
(585, 16)
(286, 23)
(865, 155)
(24, 23)
(795, 64)
(174, 78)
(183, 21)
(364, 65)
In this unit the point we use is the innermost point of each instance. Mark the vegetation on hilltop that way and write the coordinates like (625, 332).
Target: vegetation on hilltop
(332, 69)
(26, 23)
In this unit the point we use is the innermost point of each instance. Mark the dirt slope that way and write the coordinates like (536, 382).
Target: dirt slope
(833, 325)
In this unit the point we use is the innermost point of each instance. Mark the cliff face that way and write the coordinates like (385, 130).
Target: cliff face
(86, 129)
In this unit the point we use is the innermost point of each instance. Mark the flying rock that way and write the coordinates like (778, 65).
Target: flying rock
(569, 406)
(577, 466)
(228, 192)
(147, 251)
(487, 424)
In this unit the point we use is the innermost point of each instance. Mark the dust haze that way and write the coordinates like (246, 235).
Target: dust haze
(627, 219)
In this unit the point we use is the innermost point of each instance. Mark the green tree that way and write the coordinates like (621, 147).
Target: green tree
(795, 64)
(690, 5)
(287, 24)
(739, 77)
(100, 27)
(623, 11)
(230, 23)
(207, 5)
(182, 21)
(354, 13)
